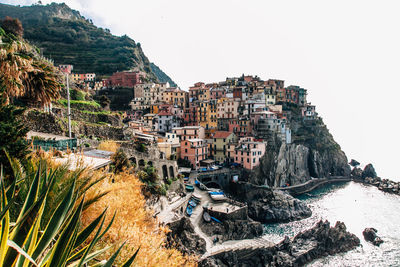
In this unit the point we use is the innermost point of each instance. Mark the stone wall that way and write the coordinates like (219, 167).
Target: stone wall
(166, 169)
(239, 214)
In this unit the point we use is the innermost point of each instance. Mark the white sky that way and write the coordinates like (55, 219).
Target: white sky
(346, 53)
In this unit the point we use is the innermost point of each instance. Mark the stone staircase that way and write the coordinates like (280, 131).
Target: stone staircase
(237, 245)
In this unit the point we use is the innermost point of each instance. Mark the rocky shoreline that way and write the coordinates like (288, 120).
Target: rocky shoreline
(369, 176)
(384, 185)
(319, 241)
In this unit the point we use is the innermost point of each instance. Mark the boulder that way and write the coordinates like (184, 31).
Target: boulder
(184, 238)
(270, 206)
(370, 236)
(233, 229)
(354, 163)
(356, 172)
(369, 171)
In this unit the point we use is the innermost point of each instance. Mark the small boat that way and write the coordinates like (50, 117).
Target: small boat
(185, 178)
(206, 217)
(216, 193)
(215, 219)
(192, 203)
(218, 197)
(196, 182)
(189, 188)
(189, 210)
(196, 196)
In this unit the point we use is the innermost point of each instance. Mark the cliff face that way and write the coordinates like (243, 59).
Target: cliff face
(312, 153)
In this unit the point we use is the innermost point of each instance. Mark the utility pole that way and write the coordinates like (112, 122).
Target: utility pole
(69, 108)
(67, 69)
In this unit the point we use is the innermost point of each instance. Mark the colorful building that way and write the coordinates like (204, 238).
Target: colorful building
(194, 151)
(167, 121)
(175, 96)
(227, 108)
(125, 79)
(221, 142)
(189, 132)
(249, 152)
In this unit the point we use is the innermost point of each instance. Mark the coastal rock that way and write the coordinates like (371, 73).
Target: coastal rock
(370, 236)
(369, 171)
(184, 238)
(312, 153)
(356, 172)
(270, 206)
(233, 229)
(317, 242)
(354, 163)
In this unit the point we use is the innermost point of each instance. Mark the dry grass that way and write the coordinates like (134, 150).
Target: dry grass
(109, 146)
(133, 224)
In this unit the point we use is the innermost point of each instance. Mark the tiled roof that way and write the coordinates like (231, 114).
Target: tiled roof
(222, 134)
(165, 113)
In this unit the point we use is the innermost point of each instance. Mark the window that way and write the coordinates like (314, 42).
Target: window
(254, 160)
(185, 151)
(248, 161)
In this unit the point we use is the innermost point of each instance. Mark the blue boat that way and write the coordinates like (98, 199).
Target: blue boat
(192, 203)
(216, 193)
(215, 219)
(189, 188)
(189, 210)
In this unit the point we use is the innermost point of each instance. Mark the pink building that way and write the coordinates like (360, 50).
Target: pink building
(194, 150)
(217, 93)
(249, 152)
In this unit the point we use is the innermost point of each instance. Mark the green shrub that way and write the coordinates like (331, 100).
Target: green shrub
(77, 94)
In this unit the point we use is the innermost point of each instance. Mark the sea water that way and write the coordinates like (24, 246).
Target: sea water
(358, 206)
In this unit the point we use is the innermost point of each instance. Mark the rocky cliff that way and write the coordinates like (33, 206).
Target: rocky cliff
(312, 153)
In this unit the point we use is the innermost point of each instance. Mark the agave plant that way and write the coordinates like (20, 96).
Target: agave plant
(61, 242)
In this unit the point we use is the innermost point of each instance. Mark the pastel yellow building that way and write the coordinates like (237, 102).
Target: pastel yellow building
(221, 144)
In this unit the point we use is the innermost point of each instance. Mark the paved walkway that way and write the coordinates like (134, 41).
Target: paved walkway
(312, 184)
(167, 215)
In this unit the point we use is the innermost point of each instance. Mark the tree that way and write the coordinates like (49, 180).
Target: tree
(13, 26)
(120, 161)
(24, 73)
(12, 133)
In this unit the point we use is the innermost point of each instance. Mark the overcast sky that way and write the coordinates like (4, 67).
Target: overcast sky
(346, 53)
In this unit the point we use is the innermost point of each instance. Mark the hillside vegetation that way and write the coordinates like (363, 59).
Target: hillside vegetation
(66, 37)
